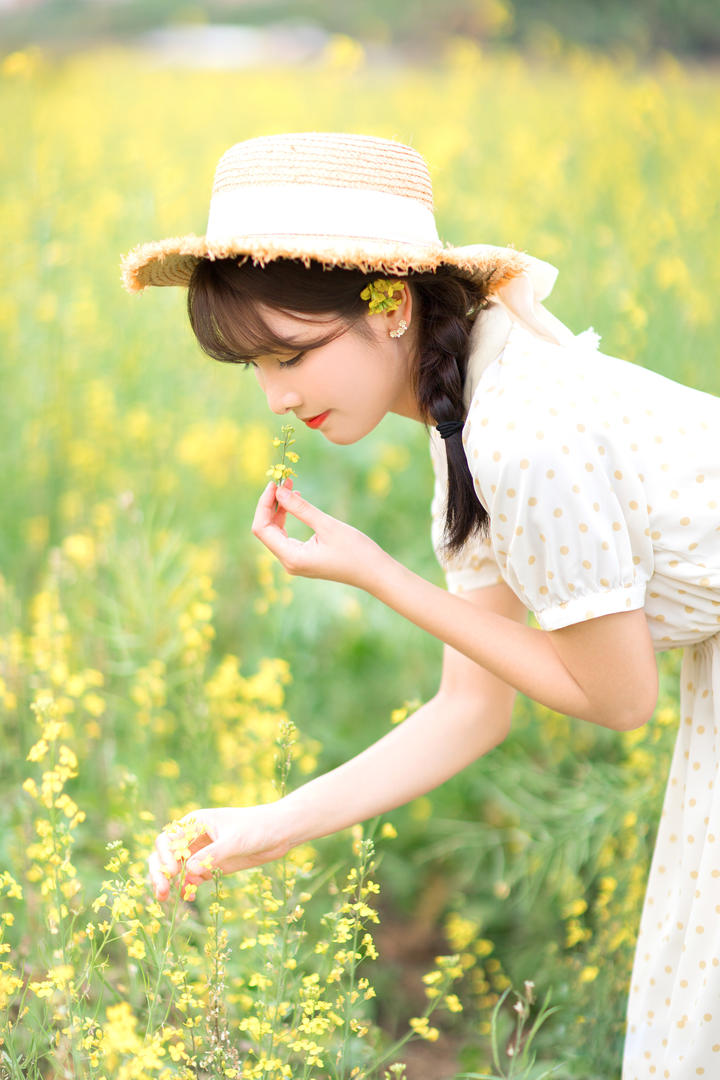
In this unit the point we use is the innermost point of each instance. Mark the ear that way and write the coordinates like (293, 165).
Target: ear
(404, 311)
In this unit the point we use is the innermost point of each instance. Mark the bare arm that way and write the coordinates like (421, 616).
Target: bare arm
(602, 670)
(469, 715)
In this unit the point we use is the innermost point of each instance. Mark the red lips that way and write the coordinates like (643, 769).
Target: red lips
(316, 421)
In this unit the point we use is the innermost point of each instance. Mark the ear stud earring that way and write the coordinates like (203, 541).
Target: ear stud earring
(402, 327)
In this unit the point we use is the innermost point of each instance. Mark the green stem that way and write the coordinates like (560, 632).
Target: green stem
(285, 747)
(288, 433)
(353, 966)
(397, 1046)
(161, 967)
(61, 920)
(216, 988)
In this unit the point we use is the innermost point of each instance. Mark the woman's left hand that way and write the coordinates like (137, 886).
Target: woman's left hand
(335, 551)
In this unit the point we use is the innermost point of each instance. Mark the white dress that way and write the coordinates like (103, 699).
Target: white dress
(602, 480)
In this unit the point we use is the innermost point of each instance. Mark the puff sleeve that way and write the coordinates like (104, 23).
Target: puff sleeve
(569, 515)
(475, 566)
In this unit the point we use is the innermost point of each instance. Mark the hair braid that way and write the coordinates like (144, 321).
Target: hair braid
(448, 305)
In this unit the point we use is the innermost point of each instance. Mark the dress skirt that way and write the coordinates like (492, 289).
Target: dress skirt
(673, 1029)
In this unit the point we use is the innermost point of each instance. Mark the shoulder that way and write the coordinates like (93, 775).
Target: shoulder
(540, 392)
(547, 411)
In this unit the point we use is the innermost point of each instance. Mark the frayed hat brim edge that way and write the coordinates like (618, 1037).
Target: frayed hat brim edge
(171, 261)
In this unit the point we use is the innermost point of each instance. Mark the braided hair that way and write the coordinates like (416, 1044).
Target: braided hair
(448, 304)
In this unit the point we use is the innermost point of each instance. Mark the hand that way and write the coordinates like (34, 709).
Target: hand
(227, 839)
(335, 551)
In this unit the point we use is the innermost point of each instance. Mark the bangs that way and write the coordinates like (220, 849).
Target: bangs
(225, 308)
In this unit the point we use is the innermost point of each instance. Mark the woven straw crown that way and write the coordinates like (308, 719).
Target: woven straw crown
(339, 199)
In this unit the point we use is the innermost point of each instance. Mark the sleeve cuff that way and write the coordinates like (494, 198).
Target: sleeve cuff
(592, 606)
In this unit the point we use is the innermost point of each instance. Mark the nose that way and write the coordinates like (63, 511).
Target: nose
(280, 394)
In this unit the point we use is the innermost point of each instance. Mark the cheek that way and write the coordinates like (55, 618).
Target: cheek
(364, 389)
(378, 383)
(369, 397)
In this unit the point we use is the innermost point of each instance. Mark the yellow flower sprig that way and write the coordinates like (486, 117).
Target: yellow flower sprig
(281, 471)
(381, 295)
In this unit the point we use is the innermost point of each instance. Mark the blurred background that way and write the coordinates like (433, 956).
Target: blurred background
(415, 29)
(585, 133)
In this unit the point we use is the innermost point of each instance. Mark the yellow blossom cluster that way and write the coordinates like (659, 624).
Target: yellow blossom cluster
(195, 621)
(137, 623)
(10, 980)
(274, 583)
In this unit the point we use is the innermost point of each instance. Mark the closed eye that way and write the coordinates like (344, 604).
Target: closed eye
(246, 364)
(291, 361)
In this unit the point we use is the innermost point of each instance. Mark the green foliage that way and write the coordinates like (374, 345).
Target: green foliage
(130, 584)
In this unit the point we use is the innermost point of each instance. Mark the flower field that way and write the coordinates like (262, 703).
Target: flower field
(154, 659)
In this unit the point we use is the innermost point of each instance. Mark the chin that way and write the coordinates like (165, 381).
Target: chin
(348, 437)
(343, 439)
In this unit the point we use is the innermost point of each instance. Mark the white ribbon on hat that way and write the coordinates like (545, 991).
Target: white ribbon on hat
(292, 209)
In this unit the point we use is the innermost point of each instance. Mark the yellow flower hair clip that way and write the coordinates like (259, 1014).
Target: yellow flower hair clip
(380, 293)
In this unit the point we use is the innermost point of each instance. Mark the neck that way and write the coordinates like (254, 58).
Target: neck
(406, 403)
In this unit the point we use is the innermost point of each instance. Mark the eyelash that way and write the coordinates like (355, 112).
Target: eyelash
(281, 363)
(293, 360)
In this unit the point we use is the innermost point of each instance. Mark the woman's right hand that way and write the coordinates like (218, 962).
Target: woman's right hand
(227, 838)
(336, 551)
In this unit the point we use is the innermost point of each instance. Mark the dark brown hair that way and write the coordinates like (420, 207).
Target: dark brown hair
(224, 305)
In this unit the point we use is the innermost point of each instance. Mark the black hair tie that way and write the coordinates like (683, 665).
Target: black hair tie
(450, 427)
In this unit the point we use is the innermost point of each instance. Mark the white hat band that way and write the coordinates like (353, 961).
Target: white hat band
(318, 210)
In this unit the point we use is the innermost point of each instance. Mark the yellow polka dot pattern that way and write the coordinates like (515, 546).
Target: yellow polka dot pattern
(585, 517)
(602, 480)
(674, 1006)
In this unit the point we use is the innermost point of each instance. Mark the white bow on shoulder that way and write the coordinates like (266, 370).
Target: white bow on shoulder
(518, 301)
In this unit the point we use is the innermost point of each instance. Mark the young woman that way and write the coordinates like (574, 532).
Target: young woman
(568, 483)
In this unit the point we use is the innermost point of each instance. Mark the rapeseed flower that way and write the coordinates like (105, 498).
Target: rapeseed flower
(103, 489)
(282, 470)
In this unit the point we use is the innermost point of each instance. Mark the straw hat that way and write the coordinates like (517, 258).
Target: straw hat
(340, 199)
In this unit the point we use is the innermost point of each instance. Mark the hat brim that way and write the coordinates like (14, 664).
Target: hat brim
(172, 261)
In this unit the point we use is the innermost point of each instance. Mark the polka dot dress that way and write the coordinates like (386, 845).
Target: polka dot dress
(602, 480)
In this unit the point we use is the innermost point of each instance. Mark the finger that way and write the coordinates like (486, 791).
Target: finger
(268, 511)
(269, 502)
(158, 881)
(280, 512)
(201, 866)
(215, 856)
(285, 548)
(165, 857)
(269, 494)
(300, 508)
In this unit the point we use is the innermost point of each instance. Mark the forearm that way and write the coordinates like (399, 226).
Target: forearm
(520, 655)
(436, 742)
